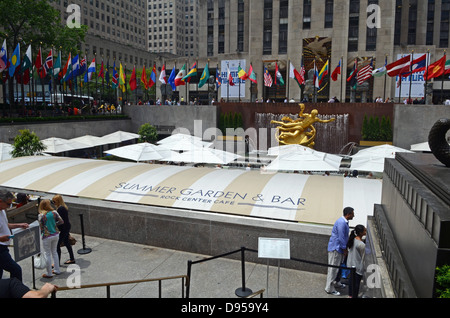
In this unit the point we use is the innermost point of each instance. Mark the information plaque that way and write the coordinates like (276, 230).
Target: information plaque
(276, 248)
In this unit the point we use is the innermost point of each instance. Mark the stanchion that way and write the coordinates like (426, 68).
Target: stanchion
(84, 250)
(243, 291)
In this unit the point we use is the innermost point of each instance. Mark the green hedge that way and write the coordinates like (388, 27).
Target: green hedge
(59, 118)
(375, 130)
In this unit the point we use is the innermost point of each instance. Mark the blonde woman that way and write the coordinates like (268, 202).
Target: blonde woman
(64, 229)
(48, 221)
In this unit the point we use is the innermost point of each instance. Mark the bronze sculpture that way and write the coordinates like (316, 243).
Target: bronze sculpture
(300, 131)
(438, 144)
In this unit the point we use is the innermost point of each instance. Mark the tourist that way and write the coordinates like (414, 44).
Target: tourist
(64, 228)
(337, 250)
(356, 250)
(48, 220)
(6, 261)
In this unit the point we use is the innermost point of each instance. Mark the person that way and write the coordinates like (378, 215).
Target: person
(356, 250)
(21, 200)
(6, 261)
(48, 220)
(337, 249)
(64, 229)
(14, 288)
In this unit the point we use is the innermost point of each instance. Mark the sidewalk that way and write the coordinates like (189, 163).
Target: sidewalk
(113, 261)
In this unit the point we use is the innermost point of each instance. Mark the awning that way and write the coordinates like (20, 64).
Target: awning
(282, 196)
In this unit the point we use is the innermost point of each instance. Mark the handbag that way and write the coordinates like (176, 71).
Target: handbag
(40, 262)
(72, 240)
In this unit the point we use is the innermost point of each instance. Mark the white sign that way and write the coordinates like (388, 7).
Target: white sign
(276, 248)
(239, 85)
(416, 81)
(27, 242)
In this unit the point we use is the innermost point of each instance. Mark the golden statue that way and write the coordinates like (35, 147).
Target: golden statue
(300, 131)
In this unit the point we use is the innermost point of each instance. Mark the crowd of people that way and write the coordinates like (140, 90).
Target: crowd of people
(54, 223)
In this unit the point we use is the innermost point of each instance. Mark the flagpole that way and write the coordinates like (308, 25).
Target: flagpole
(288, 75)
(385, 78)
(228, 84)
(410, 75)
(342, 77)
(426, 76)
(239, 85)
(443, 77)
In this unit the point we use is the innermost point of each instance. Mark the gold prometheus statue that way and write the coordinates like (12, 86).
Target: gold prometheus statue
(300, 131)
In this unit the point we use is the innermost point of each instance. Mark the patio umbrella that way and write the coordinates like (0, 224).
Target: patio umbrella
(279, 150)
(183, 142)
(374, 164)
(118, 137)
(57, 145)
(423, 146)
(305, 160)
(140, 152)
(90, 141)
(5, 151)
(386, 151)
(203, 155)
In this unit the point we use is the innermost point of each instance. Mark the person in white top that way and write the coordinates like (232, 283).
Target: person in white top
(6, 261)
(356, 251)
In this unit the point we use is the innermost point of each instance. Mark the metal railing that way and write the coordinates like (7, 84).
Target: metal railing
(184, 281)
(245, 292)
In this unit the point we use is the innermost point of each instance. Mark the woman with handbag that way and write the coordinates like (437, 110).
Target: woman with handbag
(48, 221)
(64, 234)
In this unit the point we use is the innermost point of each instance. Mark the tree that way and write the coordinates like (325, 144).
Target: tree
(27, 144)
(148, 133)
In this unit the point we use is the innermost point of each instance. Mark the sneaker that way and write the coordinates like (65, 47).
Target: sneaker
(340, 285)
(334, 293)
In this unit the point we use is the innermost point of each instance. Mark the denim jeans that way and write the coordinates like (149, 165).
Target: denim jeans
(8, 264)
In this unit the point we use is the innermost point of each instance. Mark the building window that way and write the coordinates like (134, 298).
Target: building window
(241, 24)
(445, 15)
(210, 22)
(430, 22)
(353, 27)
(329, 9)
(398, 22)
(267, 32)
(371, 34)
(412, 22)
(306, 14)
(283, 36)
(221, 40)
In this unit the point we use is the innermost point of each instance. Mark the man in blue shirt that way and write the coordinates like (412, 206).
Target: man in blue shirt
(337, 248)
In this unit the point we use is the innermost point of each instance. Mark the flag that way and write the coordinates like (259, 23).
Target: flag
(353, 77)
(447, 67)
(115, 77)
(25, 67)
(241, 74)
(205, 77)
(91, 69)
(323, 73)
(133, 81)
(122, 83)
(230, 78)
(192, 73)
(101, 73)
(75, 66)
(380, 71)
(57, 65)
(107, 73)
(67, 70)
(172, 77)
(267, 78)
(252, 75)
(48, 65)
(144, 78)
(162, 76)
(418, 65)
(82, 68)
(365, 73)
(152, 80)
(3, 57)
(399, 66)
(179, 78)
(436, 69)
(293, 73)
(278, 78)
(316, 76)
(336, 72)
(218, 78)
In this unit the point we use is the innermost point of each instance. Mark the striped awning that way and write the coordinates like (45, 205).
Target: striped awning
(282, 196)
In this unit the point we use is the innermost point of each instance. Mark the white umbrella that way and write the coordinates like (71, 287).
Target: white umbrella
(279, 150)
(305, 160)
(203, 155)
(386, 151)
(374, 164)
(423, 146)
(118, 137)
(140, 152)
(183, 142)
(57, 145)
(5, 151)
(91, 141)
